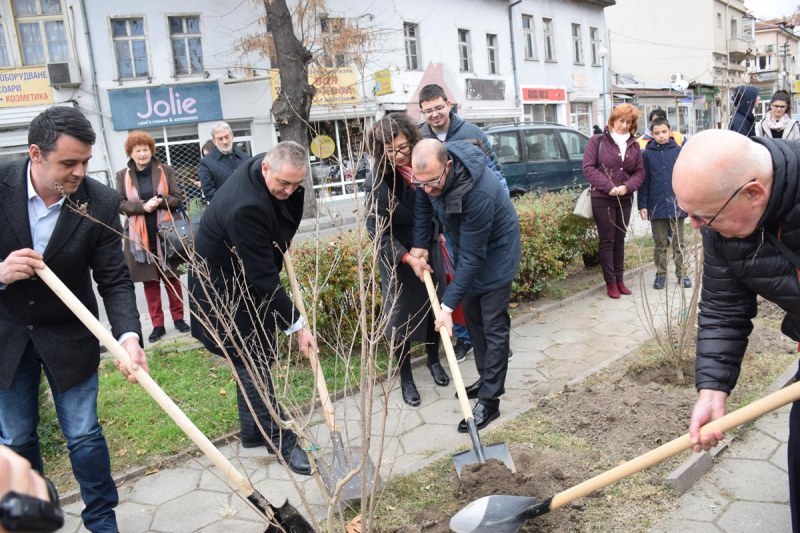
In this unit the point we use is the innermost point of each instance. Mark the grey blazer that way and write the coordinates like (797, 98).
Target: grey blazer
(31, 312)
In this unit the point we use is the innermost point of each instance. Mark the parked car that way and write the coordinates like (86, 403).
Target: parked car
(538, 156)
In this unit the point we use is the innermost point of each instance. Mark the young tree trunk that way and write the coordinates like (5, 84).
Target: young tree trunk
(293, 105)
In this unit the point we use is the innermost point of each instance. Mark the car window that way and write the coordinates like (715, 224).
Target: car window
(542, 145)
(505, 146)
(575, 143)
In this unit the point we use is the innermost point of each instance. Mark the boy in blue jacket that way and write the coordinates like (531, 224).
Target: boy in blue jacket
(658, 205)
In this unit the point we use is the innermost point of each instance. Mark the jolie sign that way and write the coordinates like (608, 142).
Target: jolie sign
(165, 105)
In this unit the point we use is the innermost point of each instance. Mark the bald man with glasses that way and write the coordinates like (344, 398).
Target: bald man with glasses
(743, 194)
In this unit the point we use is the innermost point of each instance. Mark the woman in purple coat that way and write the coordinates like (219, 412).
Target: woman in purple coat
(612, 163)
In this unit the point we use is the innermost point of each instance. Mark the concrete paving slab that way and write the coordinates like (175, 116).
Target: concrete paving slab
(781, 457)
(747, 517)
(753, 445)
(736, 477)
(165, 486)
(700, 504)
(137, 518)
(684, 526)
(190, 512)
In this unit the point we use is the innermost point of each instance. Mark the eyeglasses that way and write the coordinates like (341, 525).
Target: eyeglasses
(702, 220)
(431, 111)
(778, 106)
(404, 149)
(418, 183)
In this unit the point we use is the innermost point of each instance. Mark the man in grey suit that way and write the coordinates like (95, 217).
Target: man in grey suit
(46, 212)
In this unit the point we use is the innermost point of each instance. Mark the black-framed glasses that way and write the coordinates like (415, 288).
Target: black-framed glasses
(404, 149)
(777, 106)
(431, 111)
(431, 183)
(707, 222)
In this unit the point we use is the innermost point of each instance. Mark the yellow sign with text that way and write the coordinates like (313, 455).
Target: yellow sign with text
(335, 86)
(383, 82)
(25, 87)
(322, 146)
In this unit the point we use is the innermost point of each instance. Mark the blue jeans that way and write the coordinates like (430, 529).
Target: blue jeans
(76, 409)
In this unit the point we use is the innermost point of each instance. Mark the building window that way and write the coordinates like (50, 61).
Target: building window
(541, 112)
(719, 20)
(577, 45)
(331, 28)
(594, 37)
(130, 48)
(43, 37)
(529, 37)
(411, 32)
(187, 47)
(549, 40)
(4, 62)
(491, 50)
(734, 29)
(464, 51)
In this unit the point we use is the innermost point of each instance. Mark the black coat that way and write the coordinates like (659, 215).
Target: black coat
(30, 311)
(235, 242)
(656, 194)
(216, 168)
(735, 271)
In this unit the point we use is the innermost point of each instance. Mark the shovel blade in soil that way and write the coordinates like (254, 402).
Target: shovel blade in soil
(493, 451)
(494, 514)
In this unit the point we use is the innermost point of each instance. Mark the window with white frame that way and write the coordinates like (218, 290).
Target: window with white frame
(549, 40)
(411, 32)
(491, 51)
(4, 62)
(42, 34)
(529, 37)
(331, 28)
(594, 37)
(734, 29)
(187, 45)
(130, 48)
(577, 44)
(464, 51)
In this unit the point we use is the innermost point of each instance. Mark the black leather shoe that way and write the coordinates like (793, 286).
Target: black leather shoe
(298, 461)
(483, 415)
(410, 393)
(472, 390)
(440, 377)
(182, 326)
(158, 332)
(251, 443)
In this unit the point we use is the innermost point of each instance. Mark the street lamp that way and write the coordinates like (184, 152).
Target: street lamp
(603, 52)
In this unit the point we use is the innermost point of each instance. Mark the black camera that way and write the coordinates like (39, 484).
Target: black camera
(20, 512)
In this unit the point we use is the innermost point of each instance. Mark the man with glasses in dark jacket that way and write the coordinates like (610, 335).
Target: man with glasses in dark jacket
(744, 196)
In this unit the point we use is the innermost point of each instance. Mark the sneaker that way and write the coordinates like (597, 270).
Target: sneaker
(687, 283)
(462, 349)
(510, 355)
(660, 282)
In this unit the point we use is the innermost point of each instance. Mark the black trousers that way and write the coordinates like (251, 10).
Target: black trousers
(284, 440)
(794, 465)
(489, 326)
(612, 214)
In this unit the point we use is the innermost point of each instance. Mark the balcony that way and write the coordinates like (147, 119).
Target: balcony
(739, 48)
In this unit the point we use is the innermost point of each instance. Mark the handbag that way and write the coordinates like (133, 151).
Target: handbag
(449, 270)
(583, 206)
(177, 238)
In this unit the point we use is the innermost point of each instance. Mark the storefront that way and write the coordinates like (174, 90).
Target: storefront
(544, 104)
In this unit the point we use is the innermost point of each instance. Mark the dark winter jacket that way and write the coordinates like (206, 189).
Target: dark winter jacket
(610, 170)
(461, 130)
(656, 194)
(744, 101)
(216, 168)
(735, 271)
(480, 221)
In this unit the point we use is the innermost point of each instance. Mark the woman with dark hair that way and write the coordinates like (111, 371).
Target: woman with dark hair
(390, 205)
(778, 122)
(612, 163)
(150, 196)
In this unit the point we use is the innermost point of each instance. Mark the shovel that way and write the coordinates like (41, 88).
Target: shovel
(344, 464)
(479, 452)
(286, 517)
(506, 514)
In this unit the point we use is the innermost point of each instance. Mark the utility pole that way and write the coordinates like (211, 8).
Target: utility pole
(784, 55)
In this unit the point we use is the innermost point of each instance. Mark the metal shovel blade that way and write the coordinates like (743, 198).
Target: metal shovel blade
(340, 464)
(494, 514)
(492, 451)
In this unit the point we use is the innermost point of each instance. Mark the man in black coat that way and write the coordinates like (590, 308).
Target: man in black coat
(41, 222)
(744, 196)
(220, 163)
(238, 290)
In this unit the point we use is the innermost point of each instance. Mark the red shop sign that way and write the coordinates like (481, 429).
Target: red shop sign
(537, 94)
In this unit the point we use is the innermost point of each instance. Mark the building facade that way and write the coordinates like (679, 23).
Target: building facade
(773, 64)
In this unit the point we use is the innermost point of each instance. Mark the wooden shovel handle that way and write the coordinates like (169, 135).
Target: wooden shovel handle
(725, 423)
(319, 377)
(147, 383)
(458, 381)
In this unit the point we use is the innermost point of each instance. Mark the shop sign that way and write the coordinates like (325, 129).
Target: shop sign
(322, 146)
(383, 82)
(544, 94)
(25, 87)
(478, 89)
(334, 85)
(165, 105)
